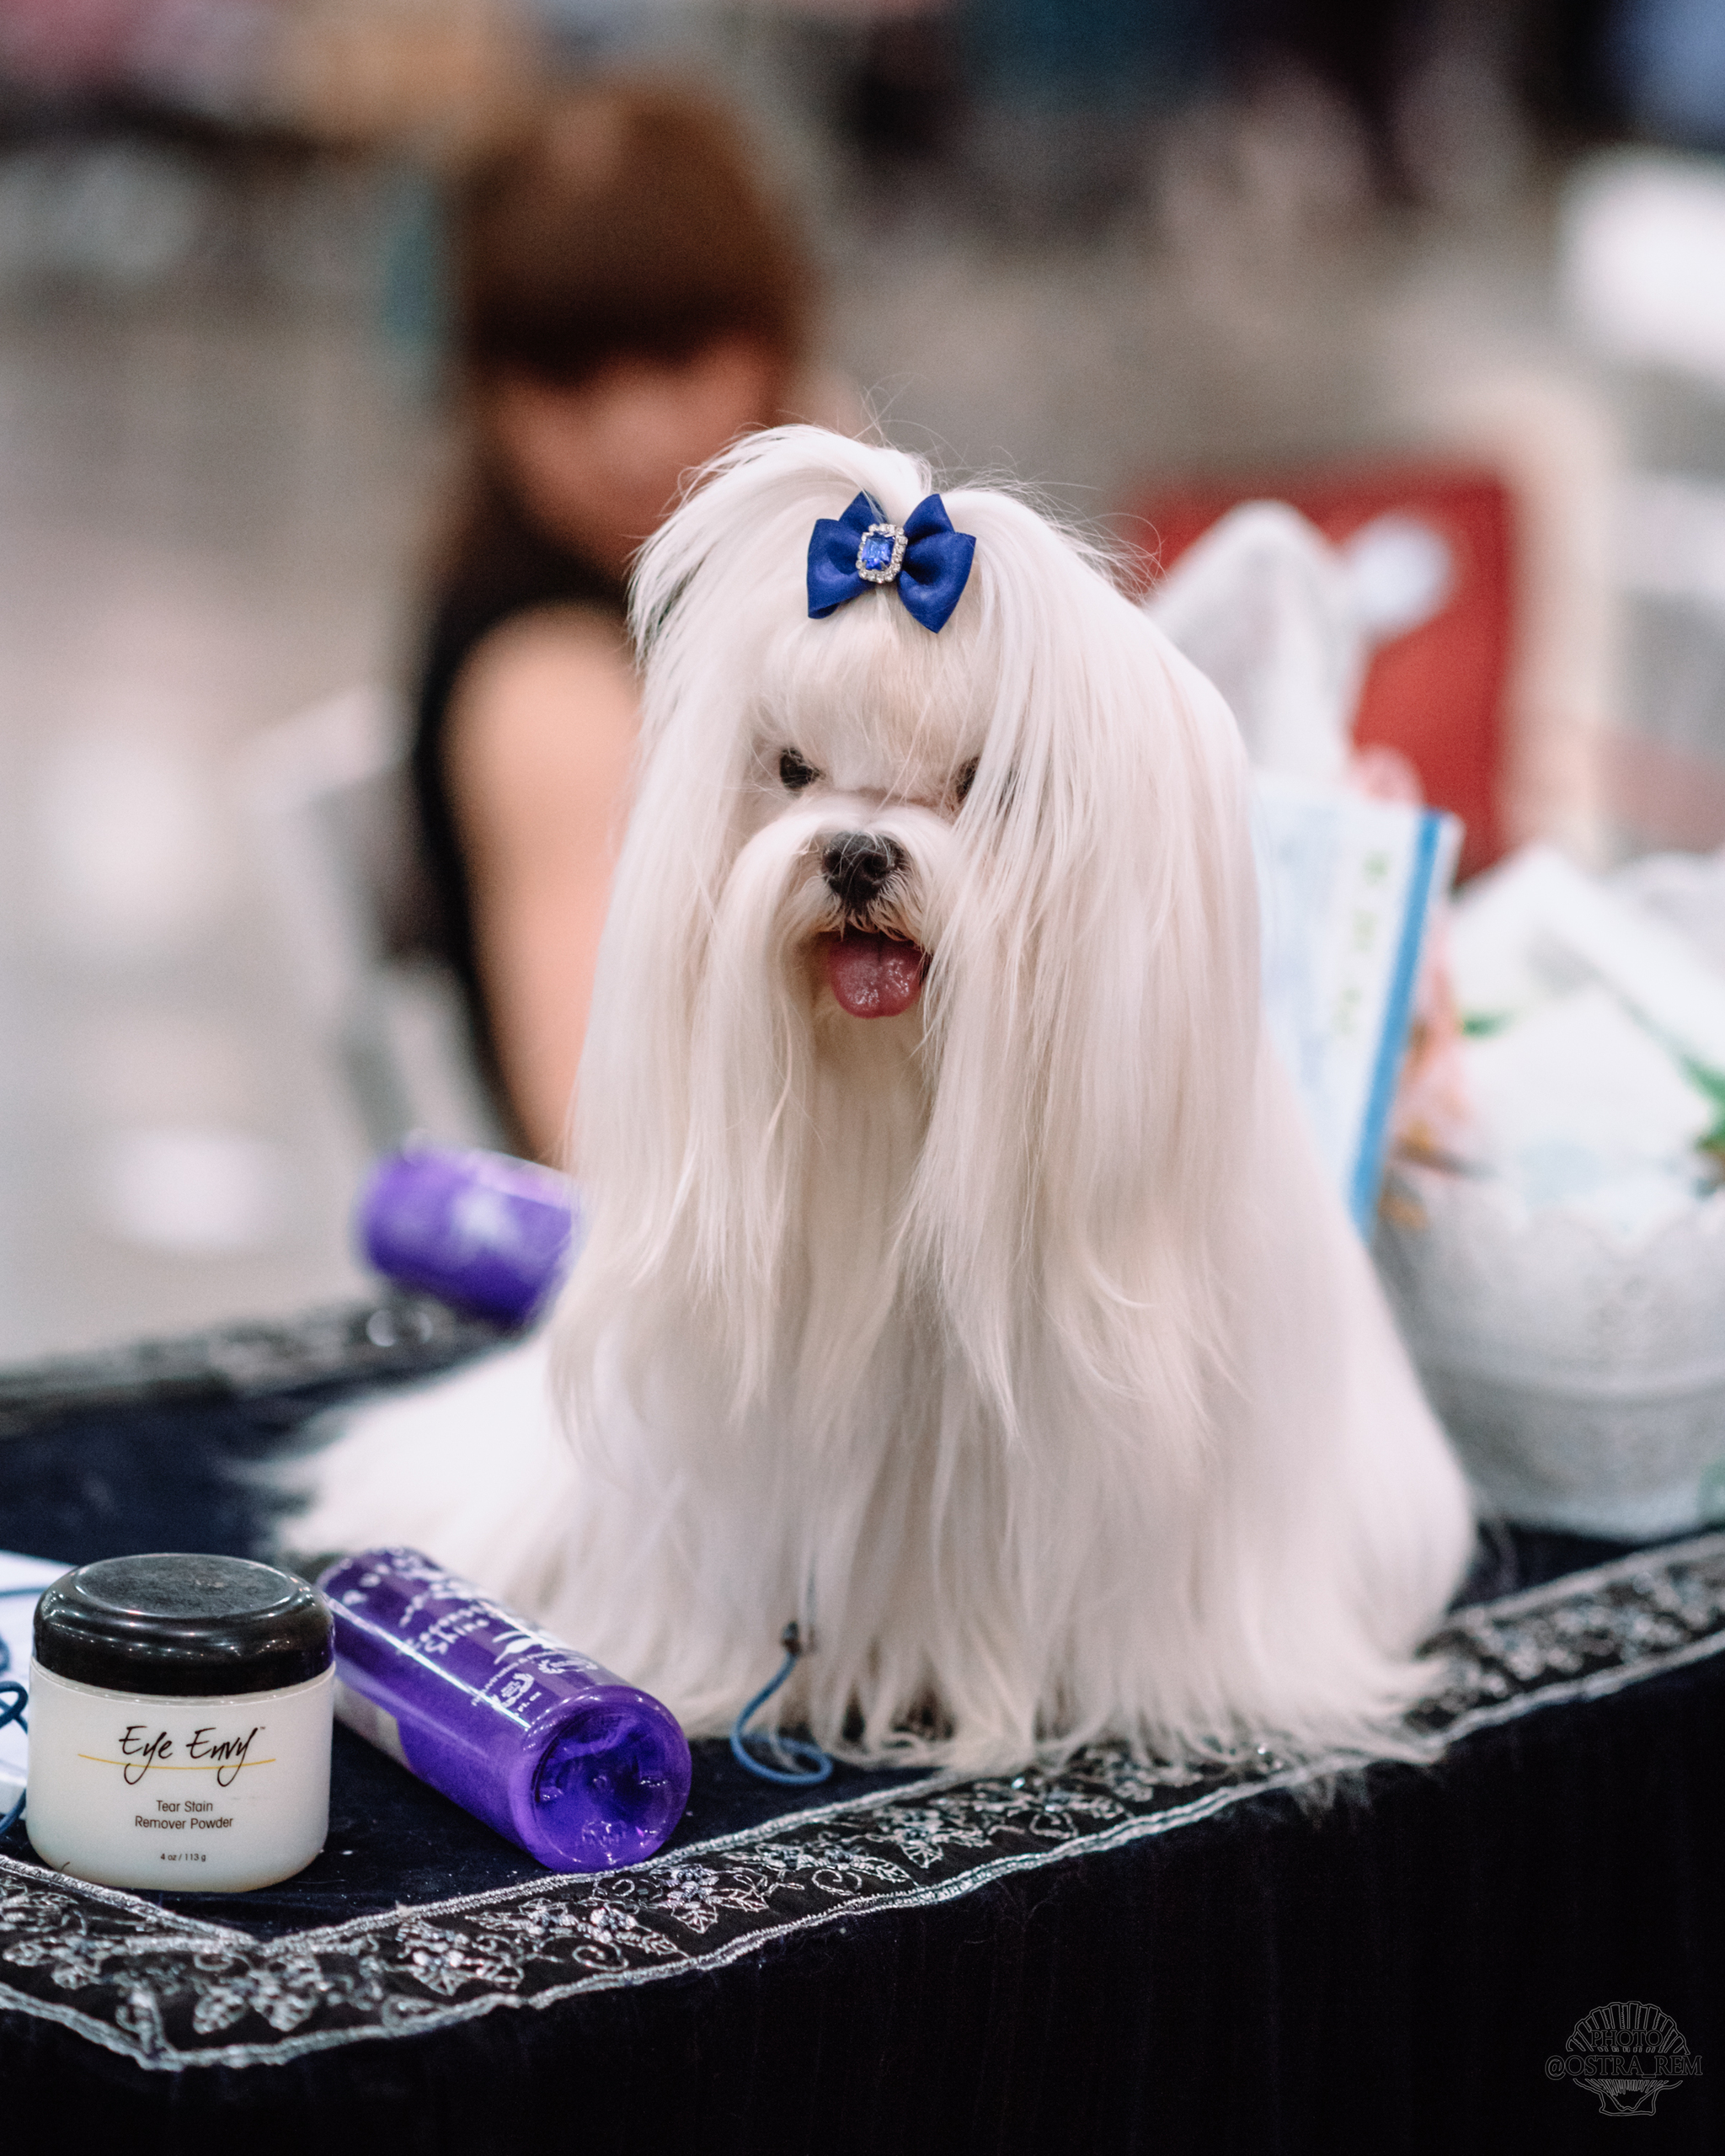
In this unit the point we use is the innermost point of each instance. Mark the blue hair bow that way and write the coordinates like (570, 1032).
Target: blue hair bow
(929, 561)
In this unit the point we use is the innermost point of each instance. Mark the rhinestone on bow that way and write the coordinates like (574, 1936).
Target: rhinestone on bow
(881, 555)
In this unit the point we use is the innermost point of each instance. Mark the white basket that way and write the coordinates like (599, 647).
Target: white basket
(1582, 1380)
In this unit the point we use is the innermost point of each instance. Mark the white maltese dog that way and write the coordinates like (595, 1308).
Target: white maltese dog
(961, 1281)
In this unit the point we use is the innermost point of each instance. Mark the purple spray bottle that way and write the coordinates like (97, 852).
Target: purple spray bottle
(481, 1230)
(577, 1769)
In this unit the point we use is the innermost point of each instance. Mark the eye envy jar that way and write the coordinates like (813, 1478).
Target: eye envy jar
(179, 1723)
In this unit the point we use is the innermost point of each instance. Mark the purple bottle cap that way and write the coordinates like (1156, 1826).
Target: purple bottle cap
(493, 1234)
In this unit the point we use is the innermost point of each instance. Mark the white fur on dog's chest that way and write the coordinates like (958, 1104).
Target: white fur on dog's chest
(1013, 1343)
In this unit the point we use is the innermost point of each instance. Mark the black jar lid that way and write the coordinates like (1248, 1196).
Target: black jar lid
(185, 1626)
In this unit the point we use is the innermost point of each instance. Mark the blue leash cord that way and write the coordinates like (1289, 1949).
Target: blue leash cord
(815, 1766)
(12, 1709)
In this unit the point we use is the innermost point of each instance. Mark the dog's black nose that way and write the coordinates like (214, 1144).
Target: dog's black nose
(856, 864)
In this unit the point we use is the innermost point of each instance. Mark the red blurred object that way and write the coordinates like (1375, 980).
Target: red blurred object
(189, 46)
(1437, 694)
(67, 44)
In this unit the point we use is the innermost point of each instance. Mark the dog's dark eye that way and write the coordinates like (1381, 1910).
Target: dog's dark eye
(795, 773)
(966, 780)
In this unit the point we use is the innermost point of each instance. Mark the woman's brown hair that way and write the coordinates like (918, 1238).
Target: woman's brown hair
(624, 220)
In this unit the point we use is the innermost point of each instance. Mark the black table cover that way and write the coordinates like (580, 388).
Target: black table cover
(1118, 1957)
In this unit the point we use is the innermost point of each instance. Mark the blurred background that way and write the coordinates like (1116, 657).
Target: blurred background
(1150, 257)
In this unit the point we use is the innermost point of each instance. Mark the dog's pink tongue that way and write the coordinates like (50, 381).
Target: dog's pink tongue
(873, 976)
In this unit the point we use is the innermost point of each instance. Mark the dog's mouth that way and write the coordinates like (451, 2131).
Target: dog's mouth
(872, 976)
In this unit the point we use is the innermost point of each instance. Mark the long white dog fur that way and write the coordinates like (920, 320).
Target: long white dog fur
(1012, 1343)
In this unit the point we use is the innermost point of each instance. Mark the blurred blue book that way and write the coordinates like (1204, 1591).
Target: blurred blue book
(1347, 886)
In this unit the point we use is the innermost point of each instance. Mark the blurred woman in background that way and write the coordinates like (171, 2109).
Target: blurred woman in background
(628, 302)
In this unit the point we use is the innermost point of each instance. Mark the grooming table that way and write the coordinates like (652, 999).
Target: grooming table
(1116, 1957)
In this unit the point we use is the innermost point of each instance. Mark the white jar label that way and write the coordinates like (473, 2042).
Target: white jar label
(177, 1795)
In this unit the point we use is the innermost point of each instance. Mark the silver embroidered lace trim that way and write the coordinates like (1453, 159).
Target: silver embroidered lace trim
(169, 1991)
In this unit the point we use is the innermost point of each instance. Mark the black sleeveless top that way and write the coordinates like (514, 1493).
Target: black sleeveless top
(505, 566)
